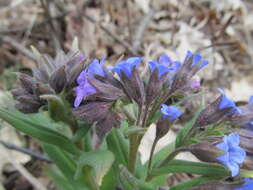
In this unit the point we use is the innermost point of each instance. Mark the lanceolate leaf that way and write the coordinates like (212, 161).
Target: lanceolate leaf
(193, 182)
(182, 166)
(100, 161)
(22, 123)
(66, 165)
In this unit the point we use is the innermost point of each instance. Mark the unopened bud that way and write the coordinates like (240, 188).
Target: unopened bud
(205, 151)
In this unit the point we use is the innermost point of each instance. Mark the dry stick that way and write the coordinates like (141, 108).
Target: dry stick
(37, 184)
(217, 45)
(110, 33)
(223, 29)
(25, 151)
(141, 29)
(22, 49)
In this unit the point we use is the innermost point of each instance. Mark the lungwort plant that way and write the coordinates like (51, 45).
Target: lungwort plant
(91, 119)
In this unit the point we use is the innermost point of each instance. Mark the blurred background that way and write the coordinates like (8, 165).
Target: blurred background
(221, 30)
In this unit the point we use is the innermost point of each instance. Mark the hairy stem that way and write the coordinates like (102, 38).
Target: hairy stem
(152, 153)
(135, 140)
(172, 155)
(169, 158)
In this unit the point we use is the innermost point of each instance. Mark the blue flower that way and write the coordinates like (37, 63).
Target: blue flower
(164, 64)
(96, 67)
(233, 153)
(197, 60)
(127, 66)
(248, 185)
(84, 88)
(170, 111)
(225, 102)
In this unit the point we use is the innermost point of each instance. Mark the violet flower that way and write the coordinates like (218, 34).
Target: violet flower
(234, 155)
(84, 88)
(127, 66)
(164, 65)
(171, 112)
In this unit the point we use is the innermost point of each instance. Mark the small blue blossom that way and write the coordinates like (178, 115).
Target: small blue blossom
(84, 88)
(127, 66)
(197, 60)
(162, 69)
(170, 111)
(95, 68)
(164, 65)
(225, 102)
(248, 185)
(233, 153)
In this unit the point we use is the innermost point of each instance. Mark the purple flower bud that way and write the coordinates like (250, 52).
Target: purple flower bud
(234, 155)
(195, 84)
(171, 112)
(205, 151)
(244, 115)
(216, 111)
(192, 64)
(246, 139)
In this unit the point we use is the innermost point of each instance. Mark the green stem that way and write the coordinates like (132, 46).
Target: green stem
(134, 145)
(172, 155)
(135, 140)
(152, 153)
(169, 158)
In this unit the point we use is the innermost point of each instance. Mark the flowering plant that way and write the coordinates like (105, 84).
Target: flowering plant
(91, 119)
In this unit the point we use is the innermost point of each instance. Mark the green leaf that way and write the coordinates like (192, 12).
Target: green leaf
(162, 154)
(182, 166)
(35, 129)
(81, 133)
(118, 145)
(66, 165)
(180, 140)
(99, 160)
(193, 182)
(109, 180)
(60, 181)
(130, 182)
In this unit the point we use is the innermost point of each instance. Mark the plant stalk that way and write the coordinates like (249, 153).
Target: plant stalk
(152, 153)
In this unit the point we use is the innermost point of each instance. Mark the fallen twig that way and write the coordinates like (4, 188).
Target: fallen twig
(36, 183)
(26, 151)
